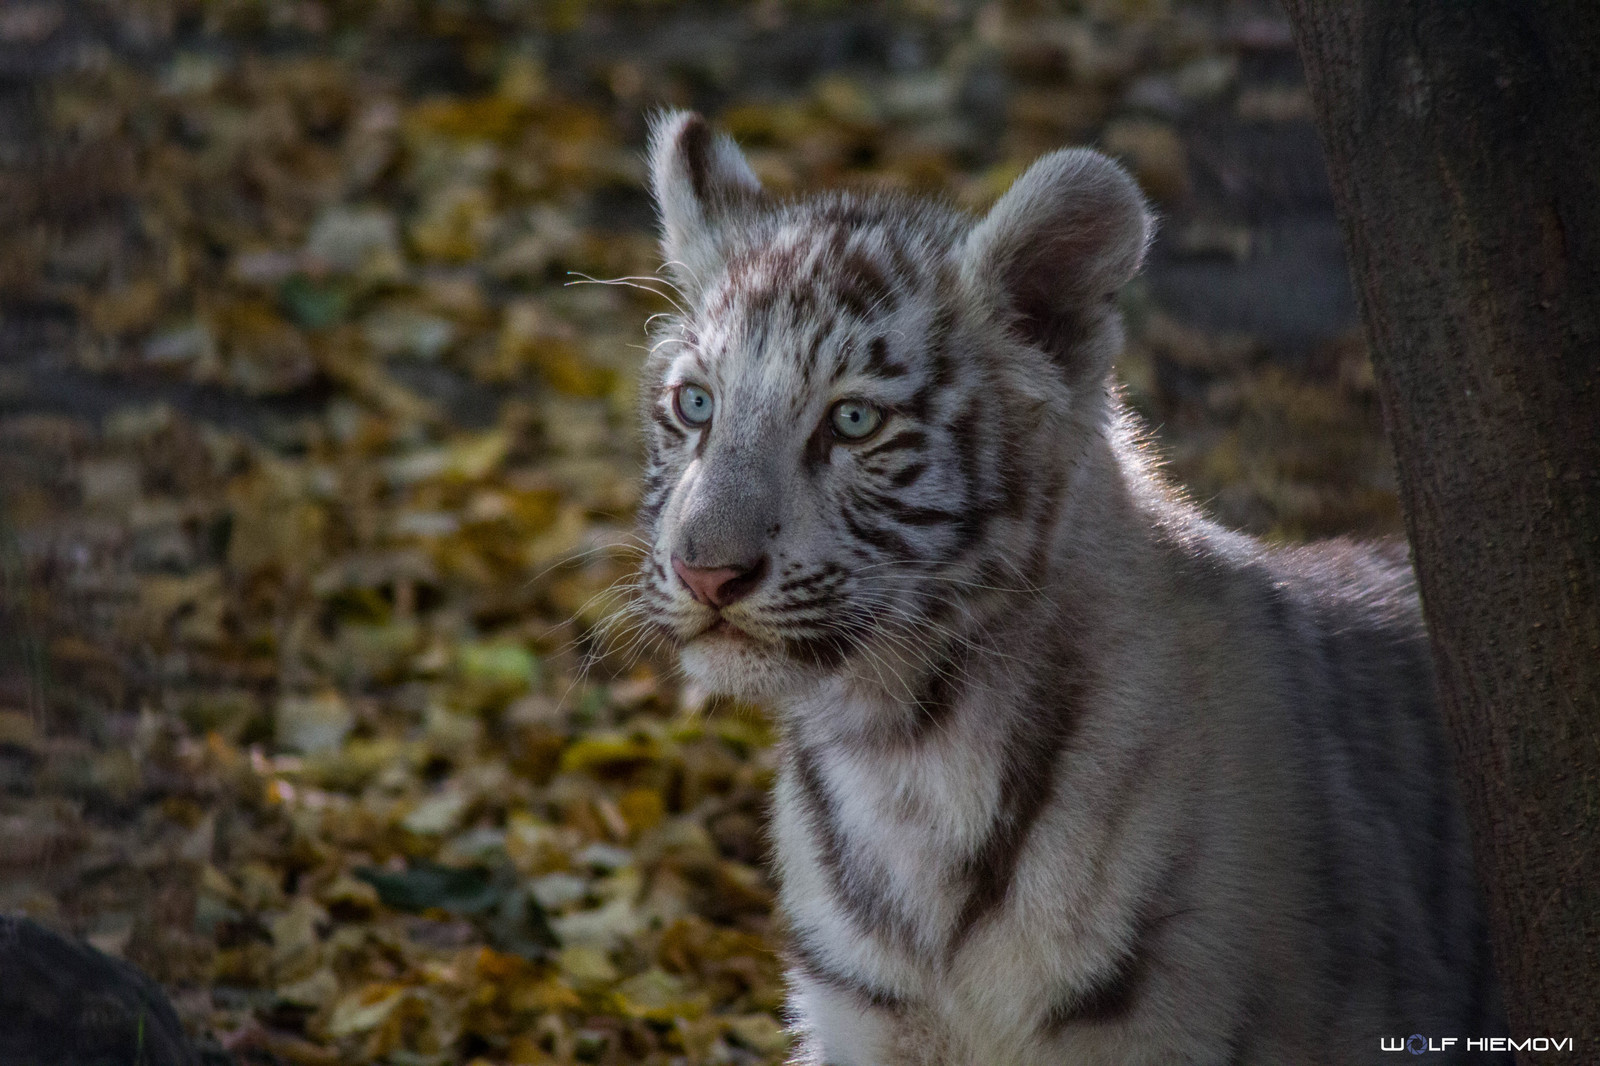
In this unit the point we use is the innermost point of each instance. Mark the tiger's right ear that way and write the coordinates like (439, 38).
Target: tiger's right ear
(700, 180)
(1053, 251)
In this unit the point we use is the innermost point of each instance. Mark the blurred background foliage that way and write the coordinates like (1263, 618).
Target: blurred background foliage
(317, 475)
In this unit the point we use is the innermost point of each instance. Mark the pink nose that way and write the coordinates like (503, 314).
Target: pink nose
(719, 586)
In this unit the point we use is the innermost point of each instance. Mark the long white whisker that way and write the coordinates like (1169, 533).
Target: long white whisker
(626, 283)
(687, 269)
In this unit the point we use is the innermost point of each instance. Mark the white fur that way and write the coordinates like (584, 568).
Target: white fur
(1193, 700)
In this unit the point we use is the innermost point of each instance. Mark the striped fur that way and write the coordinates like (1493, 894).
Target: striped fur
(1070, 774)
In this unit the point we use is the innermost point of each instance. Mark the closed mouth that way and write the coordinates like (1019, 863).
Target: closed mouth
(724, 628)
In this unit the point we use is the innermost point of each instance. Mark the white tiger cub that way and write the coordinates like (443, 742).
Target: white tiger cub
(1071, 775)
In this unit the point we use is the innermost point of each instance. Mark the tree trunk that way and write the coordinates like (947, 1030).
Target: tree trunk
(1463, 143)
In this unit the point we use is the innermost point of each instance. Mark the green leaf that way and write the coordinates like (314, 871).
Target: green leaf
(311, 305)
(498, 665)
(454, 889)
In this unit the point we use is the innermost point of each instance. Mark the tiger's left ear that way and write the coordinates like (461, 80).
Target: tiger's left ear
(1054, 250)
(701, 182)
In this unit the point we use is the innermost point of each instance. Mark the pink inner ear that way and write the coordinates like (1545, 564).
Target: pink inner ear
(1046, 316)
(1064, 238)
(1070, 231)
(1055, 279)
(1089, 250)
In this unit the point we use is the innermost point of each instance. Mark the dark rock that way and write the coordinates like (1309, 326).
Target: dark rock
(66, 1004)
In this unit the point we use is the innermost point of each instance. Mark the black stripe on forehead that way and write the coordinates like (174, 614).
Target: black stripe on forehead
(901, 260)
(859, 283)
(814, 349)
(841, 360)
(758, 278)
(758, 330)
(835, 262)
(878, 362)
(826, 286)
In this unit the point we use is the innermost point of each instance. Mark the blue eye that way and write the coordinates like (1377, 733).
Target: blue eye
(855, 420)
(693, 405)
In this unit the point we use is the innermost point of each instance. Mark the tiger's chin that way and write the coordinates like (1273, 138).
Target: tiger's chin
(734, 664)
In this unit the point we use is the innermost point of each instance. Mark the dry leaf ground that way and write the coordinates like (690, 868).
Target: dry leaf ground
(317, 473)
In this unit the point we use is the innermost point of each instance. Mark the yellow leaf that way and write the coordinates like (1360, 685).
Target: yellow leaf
(365, 1009)
(568, 373)
(656, 995)
(453, 225)
(609, 751)
(17, 728)
(312, 724)
(642, 808)
(296, 947)
(483, 118)
(311, 991)
(437, 814)
(525, 1051)
(131, 307)
(541, 996)
(161, 595)
(760, 1033)
(586, 968)
(349, 896)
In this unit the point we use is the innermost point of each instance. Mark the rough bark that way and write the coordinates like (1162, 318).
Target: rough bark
(1463, 143)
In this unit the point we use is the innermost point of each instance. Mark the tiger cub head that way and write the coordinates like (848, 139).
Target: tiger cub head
(863, 419)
